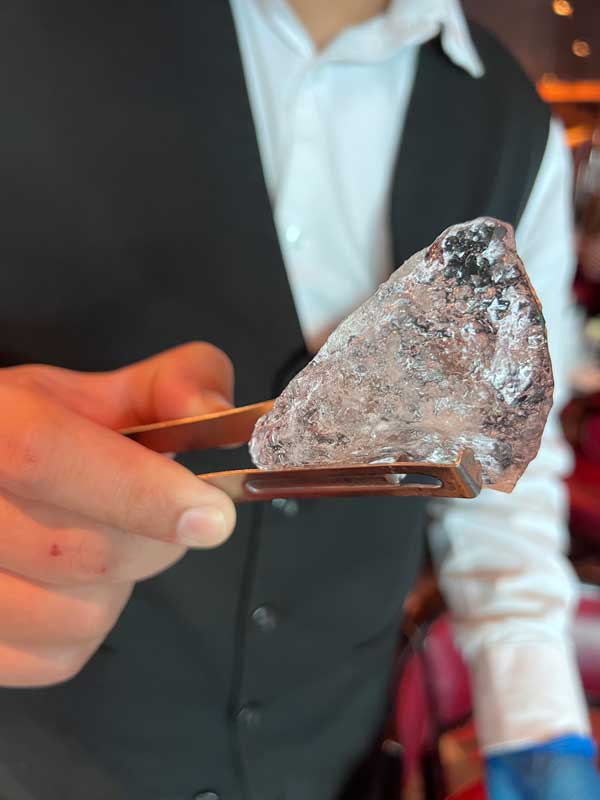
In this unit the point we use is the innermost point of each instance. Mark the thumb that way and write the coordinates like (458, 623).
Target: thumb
(188, 380)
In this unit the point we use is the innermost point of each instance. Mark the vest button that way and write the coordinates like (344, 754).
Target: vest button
(288, 508)
(265, 618)
(249, 715)
(206, 796)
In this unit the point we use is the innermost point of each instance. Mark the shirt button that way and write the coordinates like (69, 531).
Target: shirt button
(293, 234)
(206, 796)
(265, 618)
(287, 507)
(249, 715)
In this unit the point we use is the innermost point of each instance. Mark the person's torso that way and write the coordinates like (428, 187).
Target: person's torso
(134, 217)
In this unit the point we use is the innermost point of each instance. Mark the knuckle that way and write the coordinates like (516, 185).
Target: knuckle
(65, 666)
(27, 457)
(36, 377)
(70, 663)
(91, 620)
(25, 443)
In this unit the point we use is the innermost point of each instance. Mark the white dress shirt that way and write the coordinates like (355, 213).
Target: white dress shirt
(328, 125)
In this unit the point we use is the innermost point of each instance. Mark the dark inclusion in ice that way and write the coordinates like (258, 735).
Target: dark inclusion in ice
(450, 352)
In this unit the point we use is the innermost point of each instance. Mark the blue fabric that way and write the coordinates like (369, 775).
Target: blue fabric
(573, 745)
(562, 769)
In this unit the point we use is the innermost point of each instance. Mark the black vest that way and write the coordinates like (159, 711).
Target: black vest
(134, 216)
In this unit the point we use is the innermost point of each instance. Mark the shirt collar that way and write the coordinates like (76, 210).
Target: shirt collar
(404, 23)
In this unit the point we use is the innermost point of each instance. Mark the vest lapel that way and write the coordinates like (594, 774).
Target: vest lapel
(461, 155)
(425, 173)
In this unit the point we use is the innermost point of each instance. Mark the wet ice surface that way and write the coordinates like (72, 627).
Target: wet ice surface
(450, 352)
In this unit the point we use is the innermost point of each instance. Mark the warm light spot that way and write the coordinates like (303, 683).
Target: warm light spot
(581, 48)
(570, 91)
(562, 7)
(578, 135)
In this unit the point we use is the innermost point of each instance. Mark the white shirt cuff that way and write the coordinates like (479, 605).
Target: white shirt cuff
(540, 671)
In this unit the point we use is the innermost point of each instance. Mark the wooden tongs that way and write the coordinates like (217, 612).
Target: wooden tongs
(235, 426)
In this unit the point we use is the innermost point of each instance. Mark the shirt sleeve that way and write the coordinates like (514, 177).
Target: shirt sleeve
(501, 557)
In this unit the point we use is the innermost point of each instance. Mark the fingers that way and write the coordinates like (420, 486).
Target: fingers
(54, 546)
(54, 456)
(37, 614)
(192, 379)
(188, 380)
(85, 512)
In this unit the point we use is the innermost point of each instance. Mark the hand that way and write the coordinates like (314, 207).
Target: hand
(546, 773)
(86, 512)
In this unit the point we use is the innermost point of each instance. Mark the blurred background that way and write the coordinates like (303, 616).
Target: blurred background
(432, 741)
(542, 33)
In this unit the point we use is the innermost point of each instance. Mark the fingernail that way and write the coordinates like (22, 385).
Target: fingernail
(202, 527)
